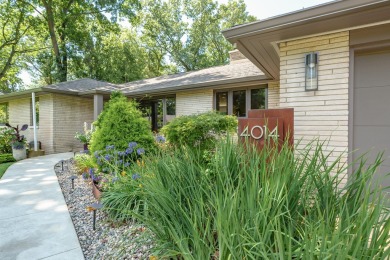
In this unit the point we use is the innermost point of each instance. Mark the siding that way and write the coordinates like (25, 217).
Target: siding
(319, 114)
(70, 114)
(194, 102)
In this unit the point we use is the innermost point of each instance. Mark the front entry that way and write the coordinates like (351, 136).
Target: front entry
(371, 109)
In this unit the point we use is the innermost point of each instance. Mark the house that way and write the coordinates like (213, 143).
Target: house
(64, 107)
(331, 63)
(61, 110)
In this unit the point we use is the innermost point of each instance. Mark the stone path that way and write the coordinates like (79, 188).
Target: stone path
(34, 219)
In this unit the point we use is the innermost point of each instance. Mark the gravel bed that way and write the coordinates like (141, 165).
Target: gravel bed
(109, 240)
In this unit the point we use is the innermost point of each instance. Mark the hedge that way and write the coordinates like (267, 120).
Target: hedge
(4, 158)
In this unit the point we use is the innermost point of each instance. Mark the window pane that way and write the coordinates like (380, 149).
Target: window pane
(222, 102)
(258, 98)
(171, 106)
(239, 103)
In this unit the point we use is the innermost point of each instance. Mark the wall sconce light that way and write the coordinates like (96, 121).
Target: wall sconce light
(311, 72)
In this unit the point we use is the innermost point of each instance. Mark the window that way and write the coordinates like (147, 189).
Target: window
(222, 102)
(238, 101)
(36, 111)
(258, 98)
(3, 114)
(159, 111)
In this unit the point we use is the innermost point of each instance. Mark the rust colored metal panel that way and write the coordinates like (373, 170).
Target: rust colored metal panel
(267, 125)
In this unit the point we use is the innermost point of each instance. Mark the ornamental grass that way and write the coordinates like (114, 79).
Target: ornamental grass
(241, 203)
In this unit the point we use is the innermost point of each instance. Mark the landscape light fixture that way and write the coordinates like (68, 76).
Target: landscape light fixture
(311, 71)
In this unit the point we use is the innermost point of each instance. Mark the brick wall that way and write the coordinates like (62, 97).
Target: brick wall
(70, 114)
(273, 95)
(194, 102)
(20, 113)
(319, 114)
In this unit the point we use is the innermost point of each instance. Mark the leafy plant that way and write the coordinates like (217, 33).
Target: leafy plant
(6, 136)
(199, 130)
(84, 162)
(18, 140)
(4, 158)
(273, 204)
(85, 137)
(120, 123)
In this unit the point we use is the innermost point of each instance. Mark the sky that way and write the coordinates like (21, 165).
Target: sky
(267, 8)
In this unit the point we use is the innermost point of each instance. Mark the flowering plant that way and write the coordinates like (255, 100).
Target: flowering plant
(113, 164)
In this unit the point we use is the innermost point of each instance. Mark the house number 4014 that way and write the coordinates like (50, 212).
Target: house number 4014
(263, 132)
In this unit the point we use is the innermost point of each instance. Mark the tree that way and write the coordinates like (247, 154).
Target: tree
(189, 31)
(16, 40)
(66, 25)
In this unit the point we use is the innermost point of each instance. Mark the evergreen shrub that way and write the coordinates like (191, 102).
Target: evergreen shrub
(120, 123)
(4, 158)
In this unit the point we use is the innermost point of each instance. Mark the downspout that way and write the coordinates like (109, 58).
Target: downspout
(34, 116)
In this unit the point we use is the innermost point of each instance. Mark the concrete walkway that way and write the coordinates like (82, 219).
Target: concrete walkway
(34, 219)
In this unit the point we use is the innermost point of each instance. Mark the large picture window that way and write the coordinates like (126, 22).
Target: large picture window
(238, 101)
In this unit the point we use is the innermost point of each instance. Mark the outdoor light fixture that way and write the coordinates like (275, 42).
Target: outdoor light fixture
(311, 72)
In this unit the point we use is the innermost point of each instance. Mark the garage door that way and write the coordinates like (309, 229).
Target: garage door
(371, 124)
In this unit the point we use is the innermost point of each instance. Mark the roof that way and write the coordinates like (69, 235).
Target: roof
(73, 87)
(81, 86)
(257, 40)
(236, 72)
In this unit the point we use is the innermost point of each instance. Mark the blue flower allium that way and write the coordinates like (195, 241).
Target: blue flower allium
(132, 144)
(121, 154)
(160, 139)
(85, 175)
(140, 151)
(129, 151)
(135, 176)
(110, 147)
(120, 161)
(107, 157)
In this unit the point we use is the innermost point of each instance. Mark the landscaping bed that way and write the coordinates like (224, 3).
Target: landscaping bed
(109, 240)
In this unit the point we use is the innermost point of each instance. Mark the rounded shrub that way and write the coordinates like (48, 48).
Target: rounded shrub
(120, 123)
(199, 130)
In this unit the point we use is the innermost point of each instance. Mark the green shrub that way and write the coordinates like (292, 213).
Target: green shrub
(199, 130)
(272, 204)
(6, 137)
(120, 123)
(6, 158)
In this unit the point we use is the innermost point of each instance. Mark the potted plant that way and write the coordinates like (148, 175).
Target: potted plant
(18, 142)
(85, 137)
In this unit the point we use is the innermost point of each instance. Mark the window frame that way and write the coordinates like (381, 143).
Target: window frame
(247, 97)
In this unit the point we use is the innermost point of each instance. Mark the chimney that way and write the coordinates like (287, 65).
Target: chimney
(236, 55)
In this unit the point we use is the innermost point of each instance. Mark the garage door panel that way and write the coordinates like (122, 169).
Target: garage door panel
(372, 69)
(366, 141)
(372, 106)
(371, 115)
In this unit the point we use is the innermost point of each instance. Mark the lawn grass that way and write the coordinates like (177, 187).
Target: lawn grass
(4, 167)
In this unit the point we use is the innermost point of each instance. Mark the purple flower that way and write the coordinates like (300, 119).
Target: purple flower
(107, 157)
(110, 147)
(140, 151)
(85, 175)
(129, 151)
(160, 139)
(121, 154)
(132, 144)
(135, 176)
